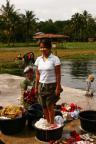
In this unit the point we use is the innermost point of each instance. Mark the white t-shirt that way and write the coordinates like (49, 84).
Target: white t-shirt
(47, 68)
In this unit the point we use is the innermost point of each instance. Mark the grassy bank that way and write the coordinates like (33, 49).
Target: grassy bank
(64, 51)
(9, 55)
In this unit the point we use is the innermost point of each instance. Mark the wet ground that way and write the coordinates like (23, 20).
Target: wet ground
(9, 93)
(77, 96)
(9, 89)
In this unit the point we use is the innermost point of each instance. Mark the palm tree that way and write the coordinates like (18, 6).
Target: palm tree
(78, 25)
(89, 25)
(9, 16)
(29, 21)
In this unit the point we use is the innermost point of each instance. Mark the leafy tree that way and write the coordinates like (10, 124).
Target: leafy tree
(83, 25)
(9, 18)
(77, 24)
(60, 26)
(29, 24)
(89, 25)
(47, 26)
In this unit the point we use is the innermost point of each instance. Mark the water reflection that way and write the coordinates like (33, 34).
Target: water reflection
(75, 72)
(79, 68)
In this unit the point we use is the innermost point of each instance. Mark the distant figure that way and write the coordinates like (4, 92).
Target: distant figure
(19, 57)
(28, 59)
(18, 60)
(90, 86)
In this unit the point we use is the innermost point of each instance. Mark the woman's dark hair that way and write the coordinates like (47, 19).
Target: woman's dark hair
(46, 43)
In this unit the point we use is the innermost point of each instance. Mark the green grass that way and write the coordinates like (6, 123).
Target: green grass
(67, 50)
(11, 68)
(78, 45)
(68, 45)
(16, 45)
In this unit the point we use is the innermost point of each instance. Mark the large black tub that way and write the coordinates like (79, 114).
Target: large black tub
(48, 135)
(12, 126)
(88, 120)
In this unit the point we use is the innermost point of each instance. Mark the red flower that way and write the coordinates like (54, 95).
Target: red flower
(32, 93)
(70, 141)
(78, 138)
(29, 96)
(64, 109)
(75, 135)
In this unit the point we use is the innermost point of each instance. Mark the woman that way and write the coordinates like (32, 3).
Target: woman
(48, 79)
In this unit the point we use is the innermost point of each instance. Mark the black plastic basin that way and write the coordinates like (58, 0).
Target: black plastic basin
(12, 126)
(88, 120)
(48, 135)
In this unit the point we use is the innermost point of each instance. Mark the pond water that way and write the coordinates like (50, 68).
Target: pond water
(75, 72)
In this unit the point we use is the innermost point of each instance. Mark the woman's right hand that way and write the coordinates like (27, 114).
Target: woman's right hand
(36, 90)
